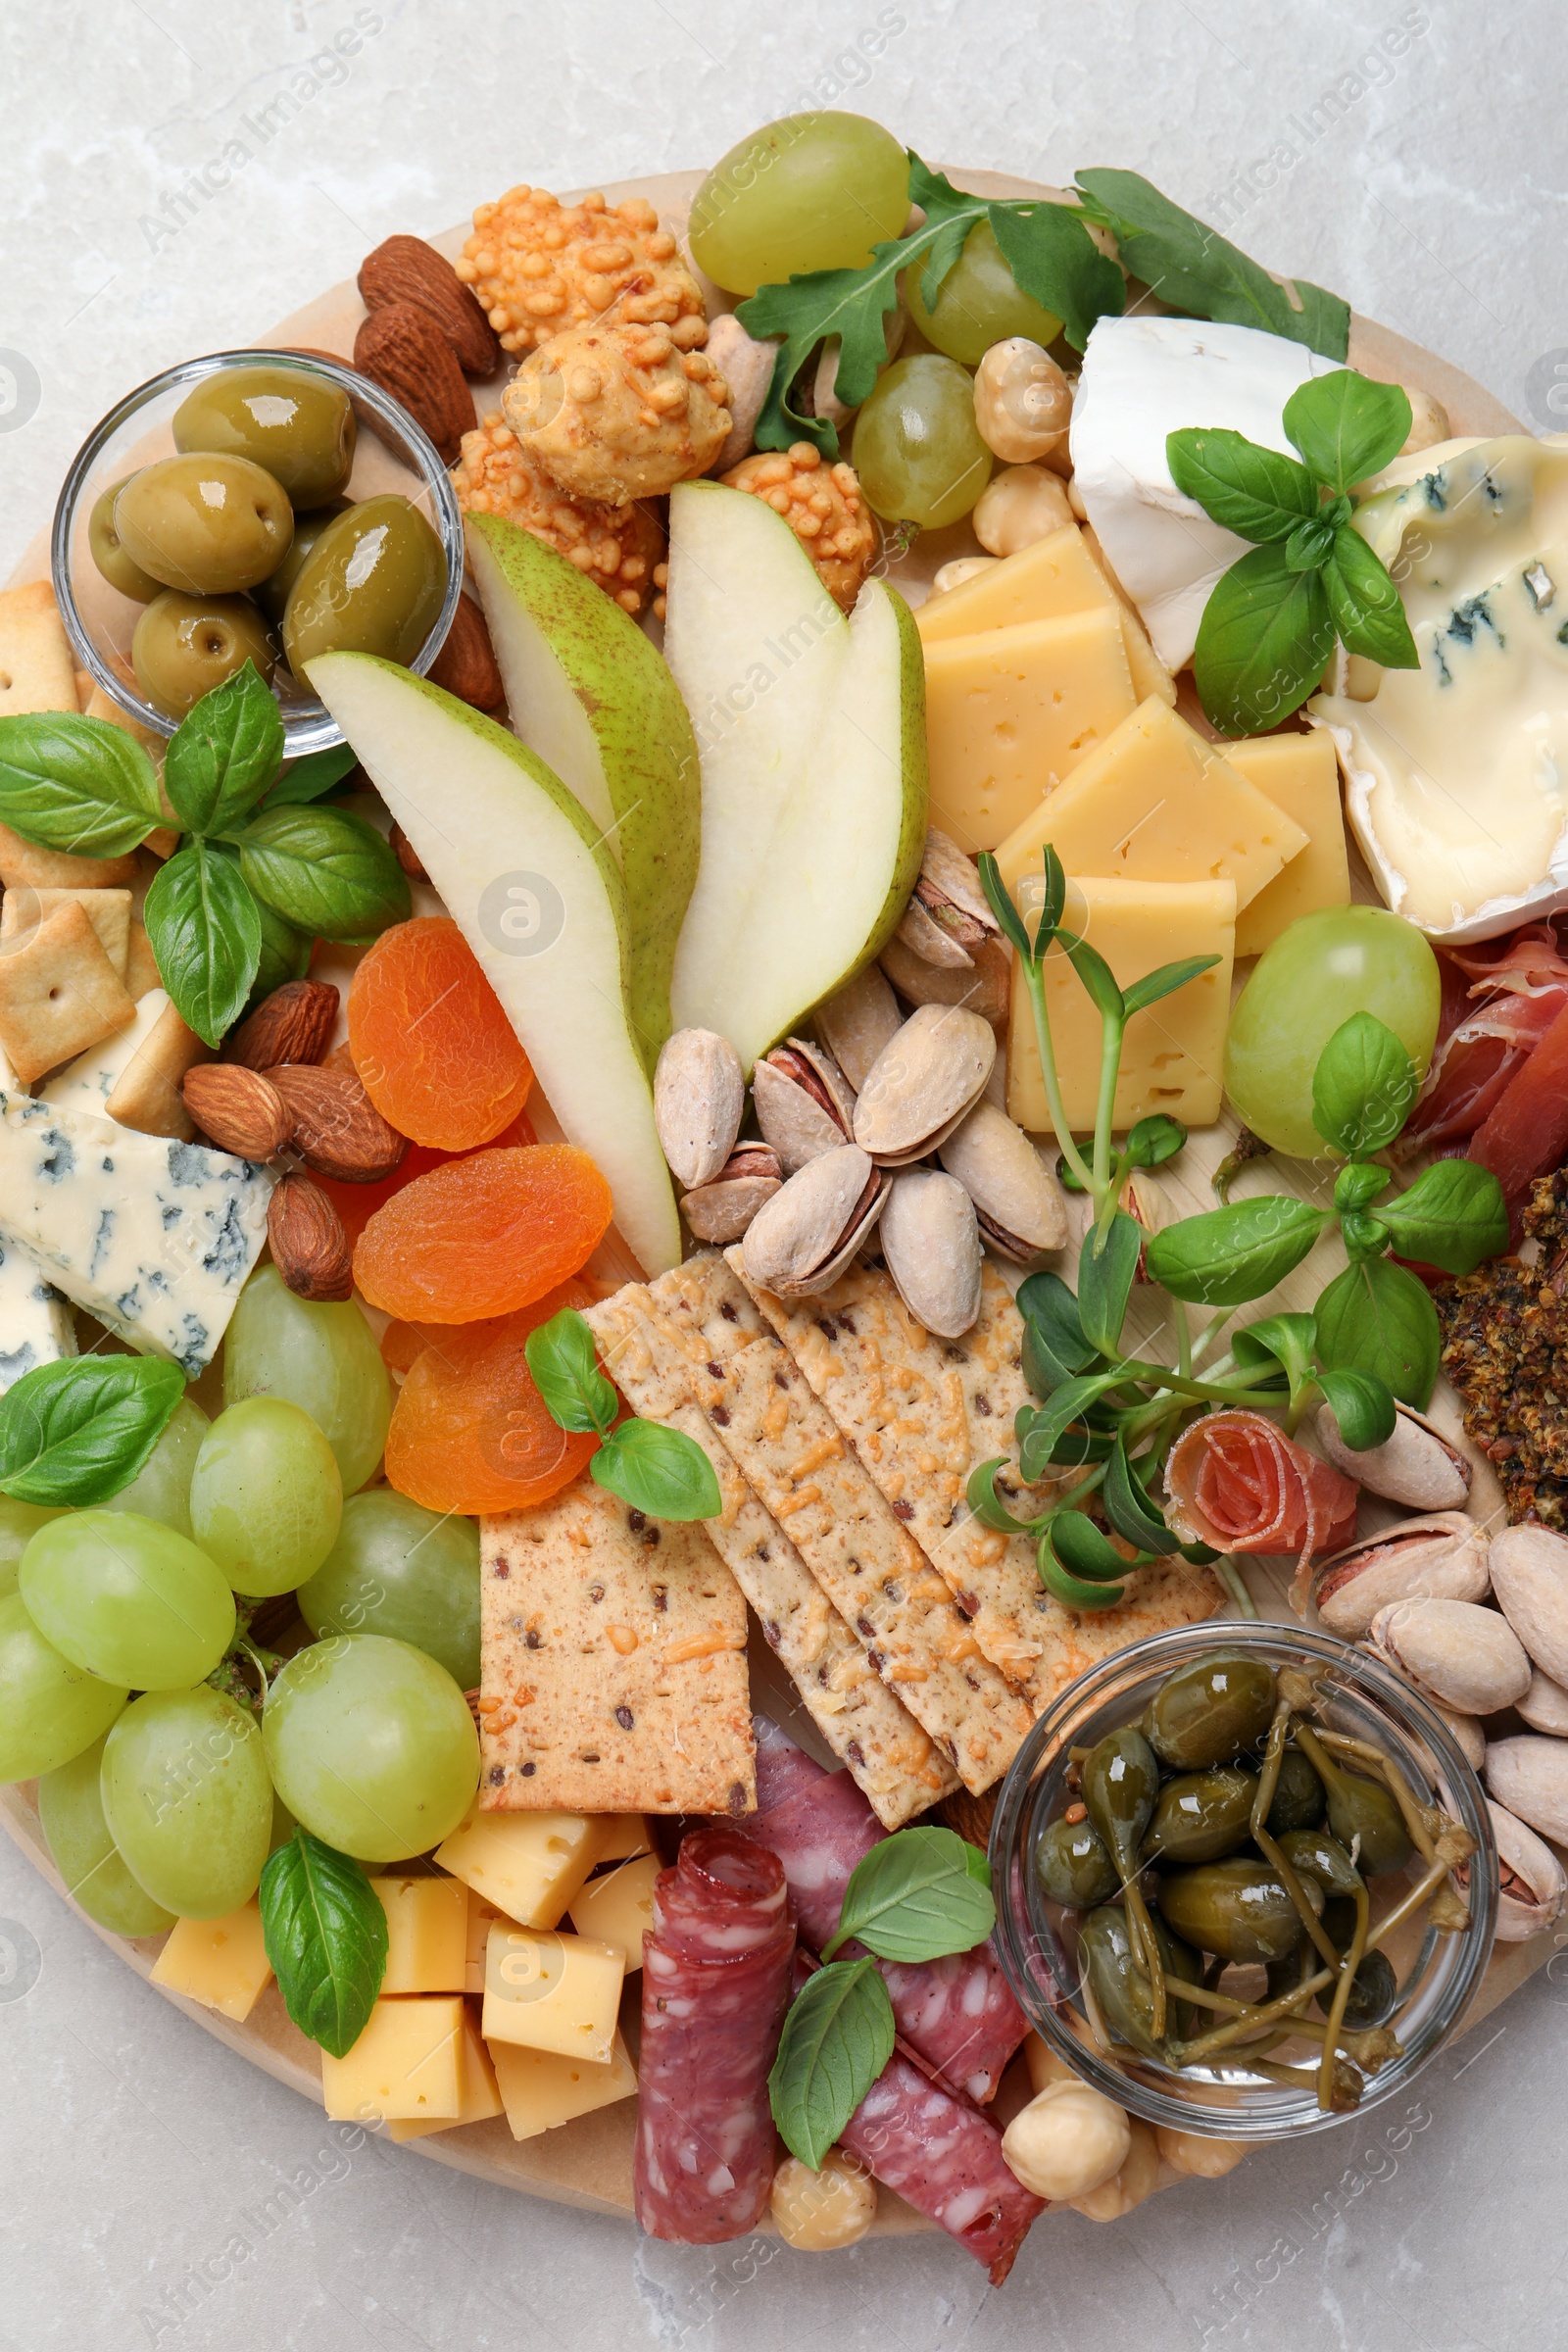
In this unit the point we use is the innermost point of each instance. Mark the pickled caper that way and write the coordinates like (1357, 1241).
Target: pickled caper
(1237, 1909)
(1120, 1784)
(209, 526)
(1119, 1987)
(110, 555)
(294, 422)
(1298, 1797)
(1212, 1711)
(1072, 1865)
(187, 645)
(1374, 1989)
(1365, 1819)
(371, 584)
(1200, 1815)
(272, 594)
(1314, 1854)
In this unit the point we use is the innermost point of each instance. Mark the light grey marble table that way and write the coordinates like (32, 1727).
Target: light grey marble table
(157, 2190)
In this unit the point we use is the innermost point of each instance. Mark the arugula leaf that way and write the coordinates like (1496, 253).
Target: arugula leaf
(658, 1470)
(1265, 635)
(1227, 1256)
(74, 1433)
(1192, 268)
(75, 784)
(1361, 1405)
(325, 1931)
(920, 1895)
(1255, 492)
(1129, 1509)
(1057, 263)
(223, 753)
(564, 1363)
(1365, 604)
(836, 2038)
(1376, 1317)
(324, 871)
(1363, 1088)
(313, 777)
(1348, 426)
(1106, 1265)
(1452, 1216)
(206, 935)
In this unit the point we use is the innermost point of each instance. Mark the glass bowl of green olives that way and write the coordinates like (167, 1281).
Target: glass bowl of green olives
(1246, 1881)
(261, 506)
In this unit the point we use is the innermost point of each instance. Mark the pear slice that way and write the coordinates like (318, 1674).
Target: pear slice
(593, 697)
(812, 733)
(539, 900)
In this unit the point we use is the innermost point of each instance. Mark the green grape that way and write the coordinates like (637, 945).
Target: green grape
(1326, 966)
(978, 303)
(372, 1747)
(917, 450)
(71, 1807)
(267, 1498)
(20, 1522)
(161, 1489)
(401, 1570)
(50, 1710)
(188, 1799)
(127, 1599)
(814, 192)
(323, 1358)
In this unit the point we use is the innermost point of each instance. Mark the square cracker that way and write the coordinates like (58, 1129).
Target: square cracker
(148, 1094)
(23, 863)
(614, 1676)
(142, 965)
(59, 995)
(37, 671)
(107, 910)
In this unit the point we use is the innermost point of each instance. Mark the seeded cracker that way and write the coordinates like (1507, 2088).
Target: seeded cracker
(614, 1674)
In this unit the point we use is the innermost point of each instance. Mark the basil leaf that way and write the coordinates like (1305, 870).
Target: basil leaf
(658, 1470)
(1347, 426)
(326, 1935)
(286, 953)
(1364, 1086)
(75, 784)
(1257, 492)
(1358, 1183)
(1128, 1508)
(1309, 546)
(1083, 1550)
(1365, 604)
(1106, 1265)
(1285, 1339)
(564, 1364)
(1452, 1216)
(206, 935)
(1228, 1256)
(1362, 1406)
(1057, 263)
(986, 1503)
(1164, 983)
(1073, 1592)
(1192, 268)
(1377, 1317)
(74, 1433)
(324, 871)
(999, 900)
(1160, 1137)
(836, 2038)
(1363, 1235)
(223, 753)
(1265, 635)
(916, 1896)
(313, 777)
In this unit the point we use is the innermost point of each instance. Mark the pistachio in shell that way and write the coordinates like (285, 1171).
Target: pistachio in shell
(1018, 1200)
(1463, 1656)
(947, 919)
(1441, 1557)
(1529, 1775)
(723, 1209)
(1544, 1705)
(699, 1097)
(923, 1084)
(858, 1022)
(1530, 1582)
(984, 985)
(1417, 1465)
(806, 1234)
(930, 1243)
(804, 1104)
(1531, 1880)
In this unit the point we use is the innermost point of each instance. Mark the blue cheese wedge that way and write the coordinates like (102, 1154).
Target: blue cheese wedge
(87, 1083)
(35, 1322)
(154, 1238)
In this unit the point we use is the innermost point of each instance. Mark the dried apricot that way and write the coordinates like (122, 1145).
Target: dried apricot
(357, 1203)
(438, 1056)
(403, 1343)
(470, 1430)
(484, 1235)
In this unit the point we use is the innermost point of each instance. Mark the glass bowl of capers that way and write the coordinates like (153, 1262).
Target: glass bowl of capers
(261, 506)
(1245, 1881)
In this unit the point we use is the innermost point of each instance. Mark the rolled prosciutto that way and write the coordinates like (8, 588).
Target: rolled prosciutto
(718, 1975)
(958, 2014)
(945, 2158)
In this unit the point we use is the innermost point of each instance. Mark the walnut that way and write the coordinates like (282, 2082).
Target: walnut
(539, 267)
(617, 547)
(618, 412)
(824, 507)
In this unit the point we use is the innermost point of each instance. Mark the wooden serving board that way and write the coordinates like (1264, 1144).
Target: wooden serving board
(588, 2164)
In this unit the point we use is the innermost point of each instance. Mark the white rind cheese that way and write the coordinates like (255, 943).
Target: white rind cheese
(154, 1238)
(35, 1322)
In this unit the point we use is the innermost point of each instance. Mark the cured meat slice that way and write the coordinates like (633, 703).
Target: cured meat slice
(958, 2014)
(945, 2158)
(1238, 1482)
(1496, 1008)
(1526, 1130)
(717, 1970)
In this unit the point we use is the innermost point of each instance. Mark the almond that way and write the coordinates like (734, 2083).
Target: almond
(404, 851)
(467, 664)
(310, 1247)
(292, 1024)
(407, 269)
(405, 352)
(337, 1129)
(238, 1108)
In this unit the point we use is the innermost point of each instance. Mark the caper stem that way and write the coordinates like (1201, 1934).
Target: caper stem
(1204, 1997)
(1347, 2084)
(1342, 1994)
(1149, 1949)
(1261, 2013)
(1418, 1896)
(1268, 1782)
(1398, 1787)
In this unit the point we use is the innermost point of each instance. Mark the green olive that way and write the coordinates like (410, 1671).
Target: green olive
(1072, 1865)
(1119, 1985)
(1298, 1797)
(371, 584)
(1120, 1783)
(295, 423)
(1212, 1711)
(272, 594)
(1237, 1909)
(1314, 1854)
(187, 645)
(1200, 1815)
(209, 526)
(110, 555)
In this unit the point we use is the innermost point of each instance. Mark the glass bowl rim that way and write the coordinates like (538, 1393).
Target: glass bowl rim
(308, 726)
(1286, 2114)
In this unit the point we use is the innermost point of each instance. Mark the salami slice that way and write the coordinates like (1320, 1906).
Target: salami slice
(717, 1979)
(960, 2013)
(944, 2157)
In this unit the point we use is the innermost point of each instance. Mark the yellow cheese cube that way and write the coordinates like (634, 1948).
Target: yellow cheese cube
(621, 1836)
(478, 2096)
(1173, 1052)
(405, 2066)
(427, 1933)
(482, 1918)
(542, 2090)
(1301, 775)
(619, 1908)
(1155, 803)
(530, 1865)
(552, 1992)
(220, 1962)
(1011, 711)
(1056, 575)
